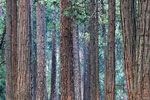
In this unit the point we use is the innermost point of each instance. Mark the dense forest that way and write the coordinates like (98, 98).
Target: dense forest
(74, 50)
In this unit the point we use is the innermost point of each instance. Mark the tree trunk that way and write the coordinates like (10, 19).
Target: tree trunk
(77, 74)
(110, 69)
(14, 47)
(54, 61)
(143, 52)
(23, 79)
(105, 44)
(92, 50)
(11, 45)
(86, 95)
(9, 84)
(66, 53)
(136, 44)
(128, 18)
(33, 54)
(97, 54)
(41, 60)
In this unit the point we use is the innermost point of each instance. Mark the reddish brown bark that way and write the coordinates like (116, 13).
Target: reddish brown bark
(77, 74)
(14, 46)
(41, 60)
(97, 53)
(11, 49)
(23, 79)
(92, 51)
(66, 53)
(110, 69)
(9, 84)
(129, 38)
(136, 45)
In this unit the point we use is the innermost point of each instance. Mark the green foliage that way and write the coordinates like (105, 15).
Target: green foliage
(77, 11)
(2, 83)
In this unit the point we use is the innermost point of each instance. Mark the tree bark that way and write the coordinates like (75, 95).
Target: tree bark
(105, 44)
(128, 18)
(143, 52)
(66, 53)
(86, 95)
(110, 69)
(77, 74)
(41, 60)
(23, 79)
(136, 44)
(54, 61)
(11, 45)
(97, 53)
(92, 50)
(33, 54)
(9, 84)
(14, 47)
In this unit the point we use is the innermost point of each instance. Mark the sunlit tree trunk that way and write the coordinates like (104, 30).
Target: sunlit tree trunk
(41, 60)
(66, 52)
(23, 46)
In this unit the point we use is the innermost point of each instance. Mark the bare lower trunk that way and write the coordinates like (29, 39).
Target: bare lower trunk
(66, 53)
(14, 46)
(77, 74)
(86, 95)
(92, 50)
(129, 38)
(136, 45)
(97, 53)
(105, 44)
(32, 53)
(41, 61)
(143, 52)
(54, 62)
(9, 84)
(23, 79)
(110, 69)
